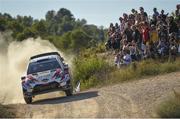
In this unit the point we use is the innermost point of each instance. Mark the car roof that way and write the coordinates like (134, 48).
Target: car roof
(45, 54)
(44, 57)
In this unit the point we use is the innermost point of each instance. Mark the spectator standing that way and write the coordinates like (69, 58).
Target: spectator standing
(143, 14)
(122, 24)
(153, 21)
(177, 12)
(154, 34)
(156, 13)
(145, 33)
(163, 16)
(117, 27)
(128, 32)
(136, 36)
(173, 28)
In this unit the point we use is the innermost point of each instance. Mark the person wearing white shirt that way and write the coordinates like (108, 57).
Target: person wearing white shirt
(127, 58)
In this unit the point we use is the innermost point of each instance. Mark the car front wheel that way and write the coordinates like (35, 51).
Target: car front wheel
(28, 100)
(69, 92)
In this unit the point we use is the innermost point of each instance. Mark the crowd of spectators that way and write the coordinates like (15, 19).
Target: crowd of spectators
(139, 36)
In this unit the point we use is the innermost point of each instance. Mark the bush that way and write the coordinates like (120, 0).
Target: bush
(169, 108)
(100, 48)
(90, 70)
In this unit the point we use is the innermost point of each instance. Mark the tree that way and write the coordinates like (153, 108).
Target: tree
(66, 40)
(27, 21)
(40, 27)
(60, 27)
(79, 39)
(27, 33)
(7, 16)
(3, 24)
(62, 13)
(79, 23)
(15, 26)
(50, 15)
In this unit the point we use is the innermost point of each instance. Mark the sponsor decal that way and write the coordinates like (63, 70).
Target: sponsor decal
(57, 74)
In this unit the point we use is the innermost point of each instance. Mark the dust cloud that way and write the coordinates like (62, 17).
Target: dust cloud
(14, 57)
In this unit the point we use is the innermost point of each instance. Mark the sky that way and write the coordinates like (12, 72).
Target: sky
(98, 12)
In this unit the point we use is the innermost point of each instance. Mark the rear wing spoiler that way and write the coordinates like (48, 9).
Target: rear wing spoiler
(45, 54)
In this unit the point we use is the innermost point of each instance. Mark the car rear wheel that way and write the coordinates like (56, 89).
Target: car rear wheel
(28, 100)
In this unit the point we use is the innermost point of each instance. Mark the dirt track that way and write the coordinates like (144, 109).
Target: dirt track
(132, 99)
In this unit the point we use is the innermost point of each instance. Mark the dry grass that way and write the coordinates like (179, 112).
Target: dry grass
(91, 76)
(170, 108)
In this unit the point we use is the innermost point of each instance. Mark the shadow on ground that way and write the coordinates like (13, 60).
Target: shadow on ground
(65, 99)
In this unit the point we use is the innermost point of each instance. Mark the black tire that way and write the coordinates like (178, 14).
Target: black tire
(69, 92)
(28, 100)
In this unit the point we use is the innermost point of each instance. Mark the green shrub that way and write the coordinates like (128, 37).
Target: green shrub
(90, 70)
(169, 108)
(100, 48)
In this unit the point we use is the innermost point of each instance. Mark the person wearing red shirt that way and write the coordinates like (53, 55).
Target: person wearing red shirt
(145, 33)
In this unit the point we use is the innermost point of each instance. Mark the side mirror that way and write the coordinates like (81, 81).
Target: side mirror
(23, 77)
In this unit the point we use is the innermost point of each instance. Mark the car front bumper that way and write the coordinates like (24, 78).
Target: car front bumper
(46, 88)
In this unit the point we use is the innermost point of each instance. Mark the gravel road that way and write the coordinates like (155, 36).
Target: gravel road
(137, 98)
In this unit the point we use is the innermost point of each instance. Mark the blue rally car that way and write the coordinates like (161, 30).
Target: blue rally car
(46, 73)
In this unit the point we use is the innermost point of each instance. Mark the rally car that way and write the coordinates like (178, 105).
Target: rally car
(46, 73)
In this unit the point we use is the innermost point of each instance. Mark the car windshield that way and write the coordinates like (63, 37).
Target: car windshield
(43, 65)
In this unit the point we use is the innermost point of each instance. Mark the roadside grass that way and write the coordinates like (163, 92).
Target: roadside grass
(137, 70)
(93, 71)
(169, 108)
